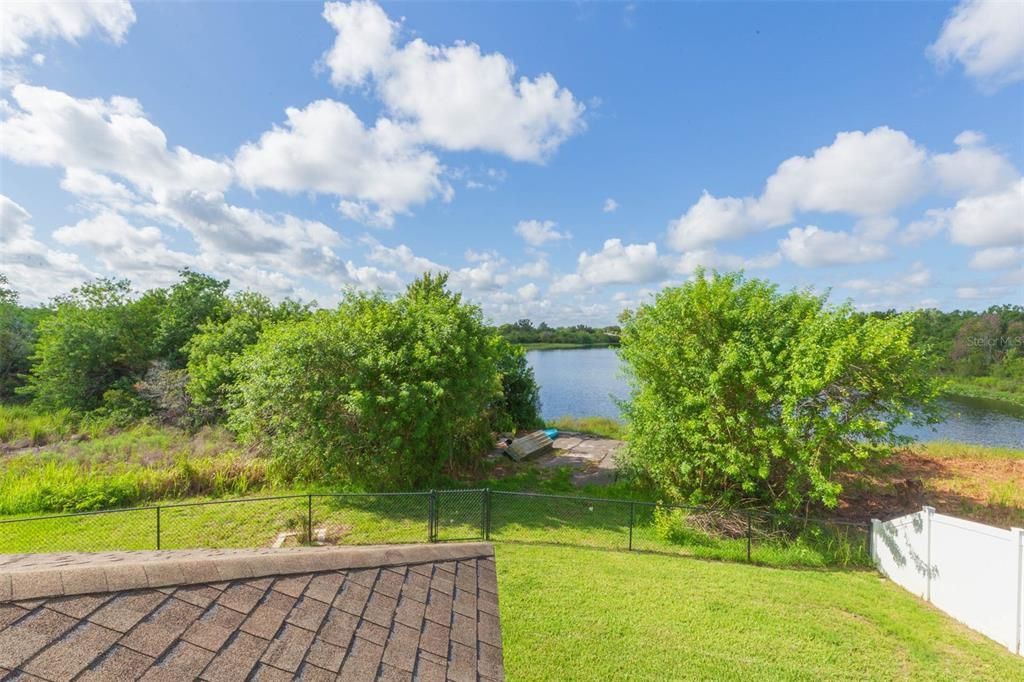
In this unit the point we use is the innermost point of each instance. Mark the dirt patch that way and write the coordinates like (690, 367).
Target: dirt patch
(988, 490)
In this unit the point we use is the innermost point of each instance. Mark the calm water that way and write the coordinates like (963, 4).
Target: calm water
(586, 381)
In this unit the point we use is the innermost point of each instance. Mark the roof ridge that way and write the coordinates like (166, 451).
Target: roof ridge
(46, 576)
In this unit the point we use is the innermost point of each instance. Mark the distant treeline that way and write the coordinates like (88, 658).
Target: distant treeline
(524, 332)
(981, 353)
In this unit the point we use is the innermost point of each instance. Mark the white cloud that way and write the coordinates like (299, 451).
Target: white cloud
(401, 258)
(813, 247)
(84, 182)
(25, 22)
(36, 271)
(998, 258)
(862, 174)
(709, 258)
(453, 96)
(987, 38)
(610, 205)
(891, 290)
(990, 220)
(615, 263)
(973, 168)
(51, 128)
(528, 292)
(325, 148)
(538, 232)
(984, 293)
(364, 44)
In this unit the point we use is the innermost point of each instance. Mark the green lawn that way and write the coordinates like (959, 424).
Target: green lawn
(578, 614)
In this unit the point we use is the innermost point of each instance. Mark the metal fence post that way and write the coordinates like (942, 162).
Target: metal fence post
(309, 519)
(158, 527)
(487, 513)
(749, 532)
(432, 520)
(632, 515)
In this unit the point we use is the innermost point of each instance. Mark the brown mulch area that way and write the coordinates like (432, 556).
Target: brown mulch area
(988, 490)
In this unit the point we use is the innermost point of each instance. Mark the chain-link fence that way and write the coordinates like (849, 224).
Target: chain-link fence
(447, 516)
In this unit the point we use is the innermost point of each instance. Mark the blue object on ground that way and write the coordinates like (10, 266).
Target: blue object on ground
(551, 433)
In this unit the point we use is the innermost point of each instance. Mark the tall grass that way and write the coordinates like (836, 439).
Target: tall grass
(947, 449)
(25, 426)
(598, 426)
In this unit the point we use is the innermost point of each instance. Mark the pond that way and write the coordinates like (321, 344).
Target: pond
(583, 382)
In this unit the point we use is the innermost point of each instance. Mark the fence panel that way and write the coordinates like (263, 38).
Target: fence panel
(972, 571)
(369, 519)
(85, 532)
(555, 519)
(459, 515)
(246, 523)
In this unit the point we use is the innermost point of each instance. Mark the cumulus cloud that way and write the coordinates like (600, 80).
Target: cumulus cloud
(35, 270)
(325, 148)
(538, 232)
(987, 38)
(452, 96)
(998, 258)
(22, 23)
(610, 205)
(990, 220)
(862, 174)
(51, 128)
(615, 263)
(813, 247)
(973, 169)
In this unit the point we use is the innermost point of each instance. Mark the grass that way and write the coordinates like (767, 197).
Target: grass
(597, 426)
(945, 449)
(1003, 389)
(577, 614)
(25, 426)
(136, 465)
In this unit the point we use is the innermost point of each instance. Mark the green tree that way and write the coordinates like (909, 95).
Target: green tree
(191, 302)
(519, 404)
(95, 345)
(382, 392)
(17, 338)
(743, 394)
(213, 351)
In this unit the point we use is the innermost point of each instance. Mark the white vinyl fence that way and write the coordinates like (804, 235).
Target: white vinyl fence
(973, 572)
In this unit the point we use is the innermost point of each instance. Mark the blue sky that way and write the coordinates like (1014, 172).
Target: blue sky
(563, 161)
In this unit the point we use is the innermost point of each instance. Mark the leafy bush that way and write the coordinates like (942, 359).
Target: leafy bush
(519, 406)
(383, 392)
(742, 394)
(213, 350)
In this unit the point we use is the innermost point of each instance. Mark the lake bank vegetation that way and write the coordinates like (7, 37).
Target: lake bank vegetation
(544, 337)
(116, 397)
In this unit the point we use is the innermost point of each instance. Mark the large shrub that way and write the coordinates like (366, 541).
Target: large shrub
(519, 402)
(95, 345)
(744, 394)
(381, 392)
(213, 351)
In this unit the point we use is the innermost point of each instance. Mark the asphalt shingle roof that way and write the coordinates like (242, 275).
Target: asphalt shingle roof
(409, 613)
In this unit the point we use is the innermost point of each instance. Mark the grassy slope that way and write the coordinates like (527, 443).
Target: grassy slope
(993, 388)
(575, 614)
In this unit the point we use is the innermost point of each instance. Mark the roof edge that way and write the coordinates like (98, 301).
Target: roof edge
(75, 574)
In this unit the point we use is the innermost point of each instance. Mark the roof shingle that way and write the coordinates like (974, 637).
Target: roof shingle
(417, 615)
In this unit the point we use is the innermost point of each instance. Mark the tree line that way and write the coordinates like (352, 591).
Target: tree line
(524, 332)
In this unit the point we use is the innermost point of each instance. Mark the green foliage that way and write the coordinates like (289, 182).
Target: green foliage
(519, 405)
(17, 340)
(743, 394)
(194, 300)
(213, 350)
(98, 341)
(386, 392)
(523, 332)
